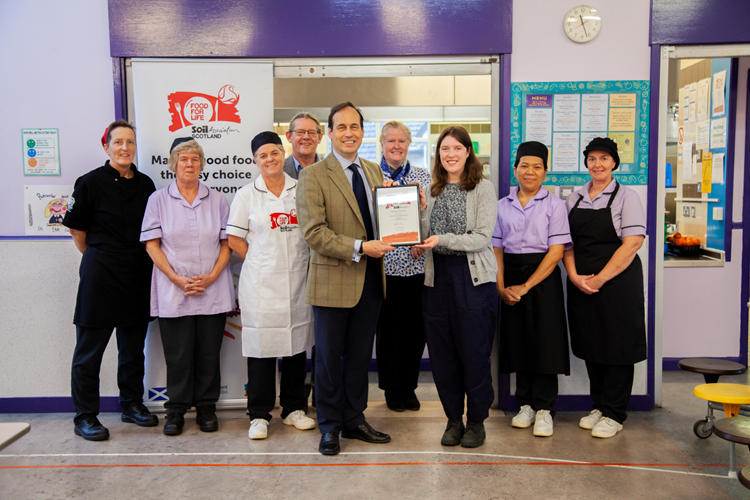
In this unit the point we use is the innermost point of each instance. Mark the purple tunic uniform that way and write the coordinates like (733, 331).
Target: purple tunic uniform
(533, 332)
(190, 238)
(543, 222)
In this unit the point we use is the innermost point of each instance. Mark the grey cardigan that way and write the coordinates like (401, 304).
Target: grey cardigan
(481, 215)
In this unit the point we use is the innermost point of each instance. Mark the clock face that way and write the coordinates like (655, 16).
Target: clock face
(582, 24)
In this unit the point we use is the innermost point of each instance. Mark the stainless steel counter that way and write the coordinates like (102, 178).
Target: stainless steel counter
(707, 258)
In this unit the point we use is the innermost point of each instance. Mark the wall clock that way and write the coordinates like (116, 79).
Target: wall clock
(582, 23)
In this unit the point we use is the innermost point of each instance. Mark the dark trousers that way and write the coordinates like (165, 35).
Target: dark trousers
(611, 386)
(343, 352)
(400, 336)
(192, 349)
(460, 320)
(261, 385)
(538, 390)
(87, 363)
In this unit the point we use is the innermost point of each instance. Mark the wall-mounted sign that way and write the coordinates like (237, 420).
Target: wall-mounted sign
(41, 151)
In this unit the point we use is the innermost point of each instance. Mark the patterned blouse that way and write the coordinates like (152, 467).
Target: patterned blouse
(449, 216)
(399, 262)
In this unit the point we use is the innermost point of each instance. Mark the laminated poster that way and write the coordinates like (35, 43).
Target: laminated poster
(718, 92)
(44, 209)
(719, 133)
(707, 173)
(718, 168)
(41, 151)
(702, 99)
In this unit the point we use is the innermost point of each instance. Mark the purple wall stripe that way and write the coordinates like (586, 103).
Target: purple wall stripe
(685, 22)
(53, 405)
(745, 278)
(729, 189)
(299, 28)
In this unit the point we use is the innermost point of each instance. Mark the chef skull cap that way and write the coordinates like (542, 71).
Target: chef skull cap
(603, 144)
(532, 148)
(265, 138)
(179, 141)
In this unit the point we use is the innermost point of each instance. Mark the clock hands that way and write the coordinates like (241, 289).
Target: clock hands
(584, 27)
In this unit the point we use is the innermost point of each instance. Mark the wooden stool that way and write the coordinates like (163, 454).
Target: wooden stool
(711, 369)
(744, 477)
(734, 430)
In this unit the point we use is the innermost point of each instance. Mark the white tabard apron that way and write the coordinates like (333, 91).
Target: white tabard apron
(276, 321)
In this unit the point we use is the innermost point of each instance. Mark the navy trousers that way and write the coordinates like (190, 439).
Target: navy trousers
(87, 362)
(460, 322)
(343, 351)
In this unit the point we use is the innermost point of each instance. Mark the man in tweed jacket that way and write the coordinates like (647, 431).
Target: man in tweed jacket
(345, 277)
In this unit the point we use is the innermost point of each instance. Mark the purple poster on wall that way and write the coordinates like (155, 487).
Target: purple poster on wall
(539, 101)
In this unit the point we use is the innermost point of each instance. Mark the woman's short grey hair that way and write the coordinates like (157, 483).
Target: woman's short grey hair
(188, 147)
(395, 124)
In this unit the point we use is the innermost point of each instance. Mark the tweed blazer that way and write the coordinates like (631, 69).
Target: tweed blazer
(481, 216)
(330, 221)
(289, 167)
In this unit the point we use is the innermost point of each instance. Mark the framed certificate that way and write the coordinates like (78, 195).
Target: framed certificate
(397, 214)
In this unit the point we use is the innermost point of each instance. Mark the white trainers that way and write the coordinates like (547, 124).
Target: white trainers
(543, 424)
(258, 429)
(299, 420)
(590, 420)
(524, 418)
(606, 428)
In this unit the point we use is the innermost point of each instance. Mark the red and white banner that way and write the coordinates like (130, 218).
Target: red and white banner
(222, 105)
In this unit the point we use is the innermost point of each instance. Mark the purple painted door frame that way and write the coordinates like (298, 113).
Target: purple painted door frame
(699, 22)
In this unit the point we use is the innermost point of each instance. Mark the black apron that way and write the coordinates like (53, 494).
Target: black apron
(607, 327)
(533, 333)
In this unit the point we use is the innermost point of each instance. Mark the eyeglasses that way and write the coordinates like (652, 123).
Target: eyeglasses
(300, 132)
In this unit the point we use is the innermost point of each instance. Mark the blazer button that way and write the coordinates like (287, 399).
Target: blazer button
(472, 262)
(468, 232)
(476, 279)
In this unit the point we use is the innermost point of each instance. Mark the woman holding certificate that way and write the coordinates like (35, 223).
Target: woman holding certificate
(400, 340)
(605, 286)
(530, 233)
(459, 300)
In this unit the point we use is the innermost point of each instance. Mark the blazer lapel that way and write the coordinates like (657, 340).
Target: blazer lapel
(339, 178)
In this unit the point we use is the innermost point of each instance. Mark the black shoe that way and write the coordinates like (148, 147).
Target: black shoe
(393, 401)
(139, 415)
(474, 435)
(410, 401)
(366, 433)
(174, 424)
(329, 444)
(90, 429)
(453, 433)
(206, 418)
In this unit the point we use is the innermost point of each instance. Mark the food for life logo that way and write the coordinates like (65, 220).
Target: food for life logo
(286, 222)
(193, 108)
(397, 205)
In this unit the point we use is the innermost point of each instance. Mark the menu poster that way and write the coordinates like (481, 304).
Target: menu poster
(703, 132)
(565, 152)
(539, 125)
(567, 112)
(693, 90)
(623, 101)
(594, 111)
(625, 145)
(718, 168)
(719, 133)
(718, 92)
(702, 99)
(622, 119)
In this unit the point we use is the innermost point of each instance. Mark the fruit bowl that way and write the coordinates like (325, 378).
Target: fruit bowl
(685, 251)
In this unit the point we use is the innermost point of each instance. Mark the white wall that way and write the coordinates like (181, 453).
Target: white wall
(57, 73)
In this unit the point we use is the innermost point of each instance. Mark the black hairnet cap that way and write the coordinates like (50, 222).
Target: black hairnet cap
(265, 138)
(179, 141)
(532, 148)
(603, 144)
